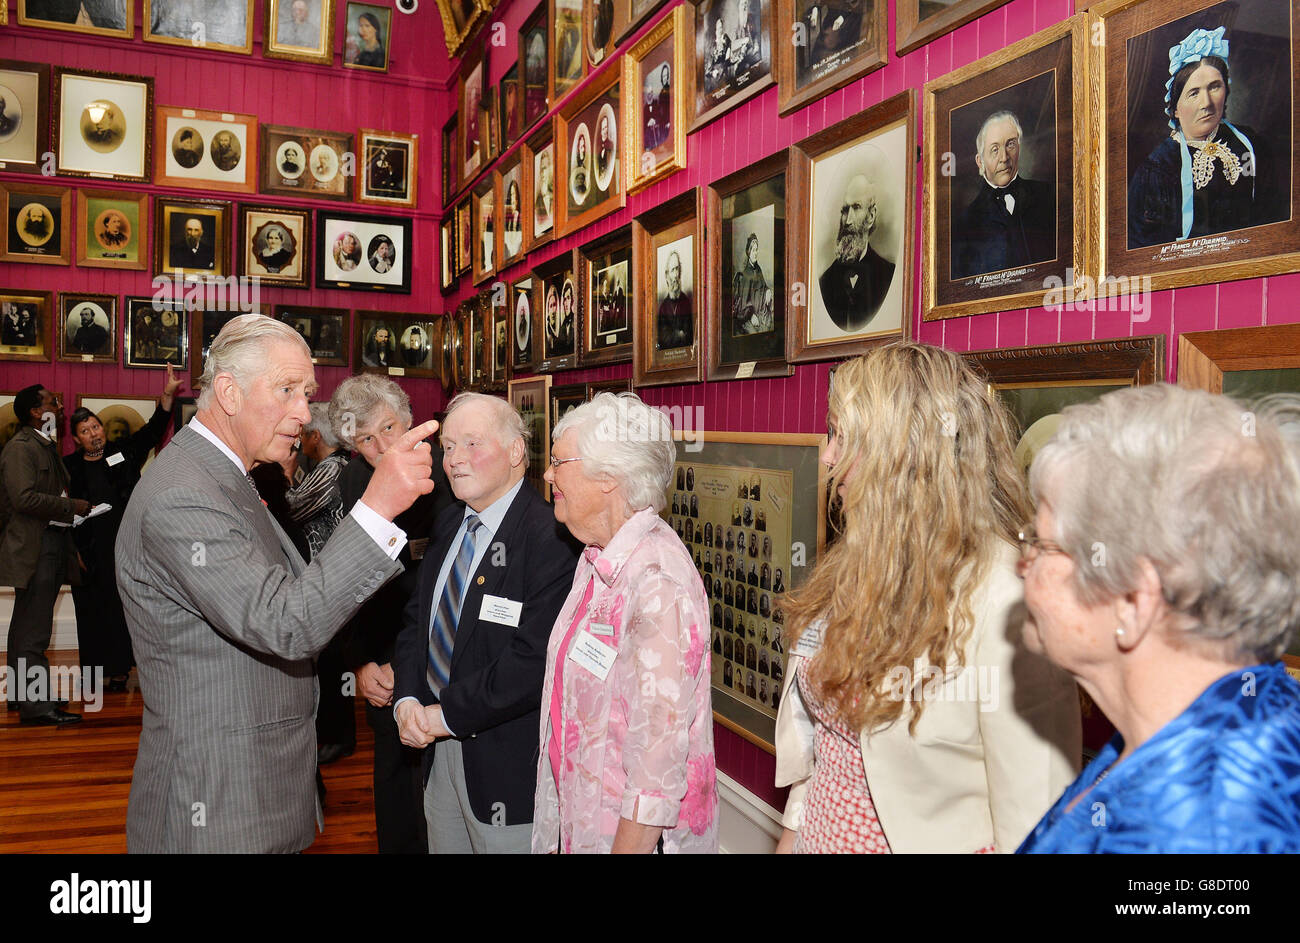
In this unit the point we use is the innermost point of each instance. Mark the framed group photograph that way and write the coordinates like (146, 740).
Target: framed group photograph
(524, 335)
(608, 286)
(658, 78)
(304, 162)
(510, 186)
(275, 245)
(156, 333)
(471, 87)
(667, 257)
(112, 229)
(223, 25)
(486, 251)
(87, 328)
(836, 43)
(748, 321)
(588, 128)
(557, 300)
(1005, 184)
(104, 18)
(853, 211)
(103, 124)
(534, 66)
(363, 252)
(387, 170)
(24, 115)
(367, 35)
(531, 399)
(918, 22)
(539, 165)
(733, 55)
(459, 17)
(568, 64)
(397, 344)
(191, 237)
(25, 324)
(324, 329)
(37, 223)
(299, 30)
(210, 150)
(1196, 185)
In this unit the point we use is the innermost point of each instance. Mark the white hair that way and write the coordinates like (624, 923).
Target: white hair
(357, 400)
(320, 422)
(622, 437)
(240, 349)
(984, 128)
(1204, 488)
(510, 425)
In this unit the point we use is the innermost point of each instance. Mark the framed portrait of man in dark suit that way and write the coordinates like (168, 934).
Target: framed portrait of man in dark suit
(87, 328)
(667, 255)
(98, 17)
(191, 237)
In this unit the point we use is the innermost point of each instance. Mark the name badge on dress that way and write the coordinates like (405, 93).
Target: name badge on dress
(592, 654)
(500, 610)
(115, 459)
(810, 642)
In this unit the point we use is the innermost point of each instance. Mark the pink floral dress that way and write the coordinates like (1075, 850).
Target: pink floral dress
(638, 744)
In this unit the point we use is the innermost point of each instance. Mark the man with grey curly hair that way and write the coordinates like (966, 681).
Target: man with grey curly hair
(1162, 575)
(226, 617)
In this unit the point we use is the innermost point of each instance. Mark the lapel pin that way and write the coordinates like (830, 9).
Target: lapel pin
(482, 580)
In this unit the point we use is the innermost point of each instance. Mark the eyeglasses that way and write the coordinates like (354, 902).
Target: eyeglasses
(1031, 545)
(557, 462)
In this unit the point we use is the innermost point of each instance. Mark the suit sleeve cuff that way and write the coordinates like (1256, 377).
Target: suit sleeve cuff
(390, 538)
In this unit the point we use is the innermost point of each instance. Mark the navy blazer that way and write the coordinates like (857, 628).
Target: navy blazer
(493, 695)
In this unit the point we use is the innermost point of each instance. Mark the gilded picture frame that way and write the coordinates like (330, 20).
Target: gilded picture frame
(654, 125)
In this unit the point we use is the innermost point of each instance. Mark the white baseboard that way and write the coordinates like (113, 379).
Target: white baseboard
(746, 824)
(65, 619)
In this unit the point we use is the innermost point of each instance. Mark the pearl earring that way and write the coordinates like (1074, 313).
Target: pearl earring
(1119, 632)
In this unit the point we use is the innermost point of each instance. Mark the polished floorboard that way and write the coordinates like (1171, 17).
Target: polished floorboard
(64, 790)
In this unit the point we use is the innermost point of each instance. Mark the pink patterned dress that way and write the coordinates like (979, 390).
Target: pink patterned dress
(637, 744)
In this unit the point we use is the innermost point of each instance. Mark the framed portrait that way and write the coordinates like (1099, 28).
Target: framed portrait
(602, 23)
(447, 253)
(500, 346)
(397, 344)
(510, 185)
(917, 22)
(845, 40)
(525, 333)
(155, 333)
(733, 56)
(224, 25)
(106, 18)
(636, 14)
(609, 386)
(535, 68)
(486, 223)
(459, 17)
(1036, 383)
(450, 160)
(605, 273)
(568, 64)
(87, 328)
(668, 258)
(464, 235)
(25, 324)
(103, 124)
(469, 367)
(453, 350)
(557, 299)
(654, 131)
(511, 104)
(303, 162)
(1245, 362)
(184, 408)
(191, 237)
(324, 329)
(857, 183)
(36, 223)
(490, 124)
(1005, 185)
(365, 44)
(388, 168)
(122, 416)
(588, 127)
(769, 491)
(748, 323)
(275, 244)
(566, 398)
(204, 328)
(24, 115)
(112, 229)
(210, 150)
(1193, 195)
(363, 252)
(299, 30)
(539, 162)
(531, 399)
(8, 419)
(470, 90)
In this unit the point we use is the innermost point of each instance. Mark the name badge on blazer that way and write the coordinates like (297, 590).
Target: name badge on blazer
(809, 642)
(592, 654)
(115, 459)
(500, 610)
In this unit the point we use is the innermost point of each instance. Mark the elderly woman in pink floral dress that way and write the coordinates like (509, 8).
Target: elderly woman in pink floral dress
(626, 760)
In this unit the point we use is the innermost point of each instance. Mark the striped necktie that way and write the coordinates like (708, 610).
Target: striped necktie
(442, 633)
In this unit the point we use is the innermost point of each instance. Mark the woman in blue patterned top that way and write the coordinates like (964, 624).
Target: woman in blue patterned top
(1163, 577)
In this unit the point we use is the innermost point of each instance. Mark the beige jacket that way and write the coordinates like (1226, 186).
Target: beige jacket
(994, 748)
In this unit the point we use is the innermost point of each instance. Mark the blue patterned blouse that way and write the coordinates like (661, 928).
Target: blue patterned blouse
(1222, 776)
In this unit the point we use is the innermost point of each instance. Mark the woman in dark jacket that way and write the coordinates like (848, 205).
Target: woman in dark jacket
(104, 472)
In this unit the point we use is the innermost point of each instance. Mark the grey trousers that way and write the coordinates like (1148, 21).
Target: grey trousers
(33, 619)
(452, 827)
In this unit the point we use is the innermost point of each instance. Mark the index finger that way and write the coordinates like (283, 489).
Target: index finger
(419, 434)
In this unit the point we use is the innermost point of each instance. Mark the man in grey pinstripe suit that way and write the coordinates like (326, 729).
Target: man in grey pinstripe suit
(226, 617)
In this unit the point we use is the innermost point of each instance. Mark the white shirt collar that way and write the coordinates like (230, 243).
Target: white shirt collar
(495, 512)
(211, 436)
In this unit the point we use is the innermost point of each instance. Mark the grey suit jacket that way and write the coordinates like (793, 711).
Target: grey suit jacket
(225, 618)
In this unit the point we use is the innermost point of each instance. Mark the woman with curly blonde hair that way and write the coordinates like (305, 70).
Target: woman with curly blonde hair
(914, 720)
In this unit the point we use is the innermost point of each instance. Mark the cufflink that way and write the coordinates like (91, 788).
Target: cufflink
(392, 541)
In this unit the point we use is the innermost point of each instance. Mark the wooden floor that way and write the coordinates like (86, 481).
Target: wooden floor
(64, 790)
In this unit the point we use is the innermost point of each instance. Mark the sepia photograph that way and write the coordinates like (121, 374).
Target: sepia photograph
(156, 334)
(300, 30)
(37, 223)
(558, 302)
(25, 325)
(666, 251)
(588, 125)
(211, 150)
(192, 237)
(367, 252)
(601, 23)
(484, 201)
(568, 64)
(536, 66)
(112, 229)
(473, 69)
(658, 67)
(388, 162)
(733, 55)
(103, 124)
(544, 191)
(24, 114)
(94, 17)
(522, 355)
(225, 25)
(605, 272)
(305, 162)
(275, 244)
(842, 40)
(324, 329)
(88, 328)
(512, 212)
(365, 45)
(379, 346)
